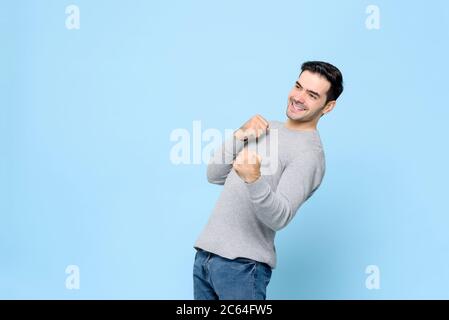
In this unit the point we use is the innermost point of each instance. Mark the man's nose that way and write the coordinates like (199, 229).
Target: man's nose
(299, 98)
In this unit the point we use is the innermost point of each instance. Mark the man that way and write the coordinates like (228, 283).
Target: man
(235, 252)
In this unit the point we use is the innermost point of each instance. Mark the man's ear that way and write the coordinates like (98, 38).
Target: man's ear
(329, 106)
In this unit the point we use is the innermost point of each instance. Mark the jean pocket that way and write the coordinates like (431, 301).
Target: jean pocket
(243, 264)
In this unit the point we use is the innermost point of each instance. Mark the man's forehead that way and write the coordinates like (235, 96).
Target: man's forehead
(314, 82)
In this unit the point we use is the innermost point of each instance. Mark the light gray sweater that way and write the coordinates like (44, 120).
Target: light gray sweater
(247, 215)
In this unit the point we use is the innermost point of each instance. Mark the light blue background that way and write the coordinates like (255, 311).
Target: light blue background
(86, 115)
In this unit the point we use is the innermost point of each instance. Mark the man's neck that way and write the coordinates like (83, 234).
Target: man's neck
(300, 126)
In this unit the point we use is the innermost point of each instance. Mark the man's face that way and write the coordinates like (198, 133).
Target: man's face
(307, 98)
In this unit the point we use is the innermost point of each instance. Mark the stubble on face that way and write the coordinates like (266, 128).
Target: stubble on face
(301, 105)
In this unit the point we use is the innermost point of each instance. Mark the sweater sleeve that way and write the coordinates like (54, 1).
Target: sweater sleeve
(298, 182)
(220, 163)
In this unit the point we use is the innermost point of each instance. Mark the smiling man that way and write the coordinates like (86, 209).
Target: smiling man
(235, 251)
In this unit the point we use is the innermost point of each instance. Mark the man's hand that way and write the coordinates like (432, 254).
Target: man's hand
(254, 127)
(247, 165)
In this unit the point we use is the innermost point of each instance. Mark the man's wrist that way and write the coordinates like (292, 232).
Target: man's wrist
(253, 180)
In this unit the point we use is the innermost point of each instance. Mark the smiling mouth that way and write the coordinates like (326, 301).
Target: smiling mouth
(297, 108)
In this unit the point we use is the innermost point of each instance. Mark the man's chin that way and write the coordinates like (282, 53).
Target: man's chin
(292, 117)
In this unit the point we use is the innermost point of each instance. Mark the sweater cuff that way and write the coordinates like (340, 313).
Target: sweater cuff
(232, 146)
(258, 189)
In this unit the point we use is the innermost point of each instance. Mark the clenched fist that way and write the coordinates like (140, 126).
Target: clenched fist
(254, 127)
(247, 165)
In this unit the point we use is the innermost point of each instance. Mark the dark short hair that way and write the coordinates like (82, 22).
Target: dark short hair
(330, 72)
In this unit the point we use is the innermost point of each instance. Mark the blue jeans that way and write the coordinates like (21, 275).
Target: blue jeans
(218, 278)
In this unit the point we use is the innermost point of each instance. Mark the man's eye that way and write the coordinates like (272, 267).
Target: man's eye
(312, 96)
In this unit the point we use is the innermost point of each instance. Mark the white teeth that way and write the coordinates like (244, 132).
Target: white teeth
(298, 108)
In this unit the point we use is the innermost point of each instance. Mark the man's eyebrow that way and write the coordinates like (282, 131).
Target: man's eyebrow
(310, 91)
